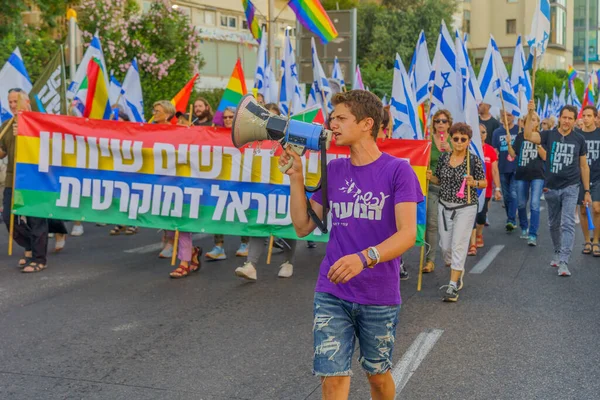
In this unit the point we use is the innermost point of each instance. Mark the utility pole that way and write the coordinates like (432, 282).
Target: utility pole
(271, 31)
(587, 41)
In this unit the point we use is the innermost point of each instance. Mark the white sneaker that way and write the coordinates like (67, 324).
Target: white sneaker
(285, 270)
(77, 230)
(246, 271)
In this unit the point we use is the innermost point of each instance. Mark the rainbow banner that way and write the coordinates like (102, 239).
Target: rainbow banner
(313, 17)
(164, 176)
(571, 73)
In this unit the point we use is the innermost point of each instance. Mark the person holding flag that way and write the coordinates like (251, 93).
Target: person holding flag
(507, 166)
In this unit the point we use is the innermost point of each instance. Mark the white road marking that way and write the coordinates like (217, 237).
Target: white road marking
(487, 259)
(158, 246)
(413, 357)
(124, 327)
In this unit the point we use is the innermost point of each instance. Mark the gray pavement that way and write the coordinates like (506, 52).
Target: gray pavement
(103, 322)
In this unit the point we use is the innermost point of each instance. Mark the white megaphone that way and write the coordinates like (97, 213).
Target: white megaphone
(252, 123)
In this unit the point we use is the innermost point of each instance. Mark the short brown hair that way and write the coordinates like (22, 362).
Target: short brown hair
(462, 128)
(437, 114)
(590, 107)
(362, 104)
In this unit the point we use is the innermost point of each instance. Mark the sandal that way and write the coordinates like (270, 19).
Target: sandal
(33, 267)
(472, 250)
(195, 264)
(180, 272)
(60, 242)
(23, 262)
(587, 248)
(429, 267)
(479, 241)
(131, 230)
(116, 231)
(596, 249)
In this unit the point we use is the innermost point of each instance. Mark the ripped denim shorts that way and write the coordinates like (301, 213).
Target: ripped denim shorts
(339, 323)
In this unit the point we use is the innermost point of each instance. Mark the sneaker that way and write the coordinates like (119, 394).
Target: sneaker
(524, 234)
(246, 271)
(577, 220)
(563, 270)
(217, 253)
(50, 235)
(285, 270)
(555, 261)
(403, 272)
(510, 227)
(487, 221)
(281, 244)
(451, 293)
(77, 230)
(167, 251)
(242, 251)
(532, 241)
(310, 244)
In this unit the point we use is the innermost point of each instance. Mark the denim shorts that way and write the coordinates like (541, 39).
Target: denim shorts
(339, 323)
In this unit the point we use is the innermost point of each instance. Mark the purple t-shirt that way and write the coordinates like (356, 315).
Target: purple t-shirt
(362, 203)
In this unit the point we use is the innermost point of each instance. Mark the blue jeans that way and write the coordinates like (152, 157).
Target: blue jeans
(337, 325)
(523, 189)
(561, 219)
(509, 192)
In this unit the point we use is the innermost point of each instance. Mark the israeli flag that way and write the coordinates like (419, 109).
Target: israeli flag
(13, 75)
(272, 87)
(384, 101)
(545, 110)
(131, 97)
(337, 72)
(464, 71)
(114, 91)
(322, 89)
(358, 84)
(520, 79)
(403, 106)
(290, 95)
(573, 99)
(94, 50)
(443, 75)
(261, 66)
(540, 32)
(312, 97)
(420, 70)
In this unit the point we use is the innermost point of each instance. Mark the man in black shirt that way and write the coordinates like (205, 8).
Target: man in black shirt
(202, 113)
(592, 140)
(566, 169)
(490, 123)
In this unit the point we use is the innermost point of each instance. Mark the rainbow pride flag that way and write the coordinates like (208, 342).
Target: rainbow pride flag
(97, 104)
(235, 90)
(588, 96)
(253, 25)
(167, 177)
(313, 17)
(572, 73)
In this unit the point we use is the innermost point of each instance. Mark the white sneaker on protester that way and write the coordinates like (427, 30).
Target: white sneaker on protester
(285, 270)
(77, 230)
(246, 271)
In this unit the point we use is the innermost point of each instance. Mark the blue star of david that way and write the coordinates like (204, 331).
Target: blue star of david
(293, 70)
(445, 76)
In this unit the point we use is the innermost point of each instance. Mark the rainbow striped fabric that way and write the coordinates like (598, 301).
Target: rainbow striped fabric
(313, 17)
(97, 105)
(235, 90)
(572, 73)
(250, 12)
(167, 177)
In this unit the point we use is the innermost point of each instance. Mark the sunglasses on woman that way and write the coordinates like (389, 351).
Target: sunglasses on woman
(231, 117)
(440, 121)
(460, 139)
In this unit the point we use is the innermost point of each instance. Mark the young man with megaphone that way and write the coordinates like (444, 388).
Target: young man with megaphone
(373, 197)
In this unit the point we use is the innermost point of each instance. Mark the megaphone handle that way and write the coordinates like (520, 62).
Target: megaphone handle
(299, 150)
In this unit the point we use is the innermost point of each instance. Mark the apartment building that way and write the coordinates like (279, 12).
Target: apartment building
(507, 19)
(579, 34)
(225, 36)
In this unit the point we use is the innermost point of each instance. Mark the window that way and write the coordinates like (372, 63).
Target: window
(466, 28)
(229, 21)
(511, 26)
(209, 18)
(244, 24)
(558, 22)
(512, 1)
(210, 67)
(146, 5)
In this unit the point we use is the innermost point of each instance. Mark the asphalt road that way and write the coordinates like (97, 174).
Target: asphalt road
(104, 321)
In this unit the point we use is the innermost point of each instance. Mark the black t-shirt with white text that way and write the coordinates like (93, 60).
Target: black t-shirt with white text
(592, 140)
(529, 164)
(562, 161)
